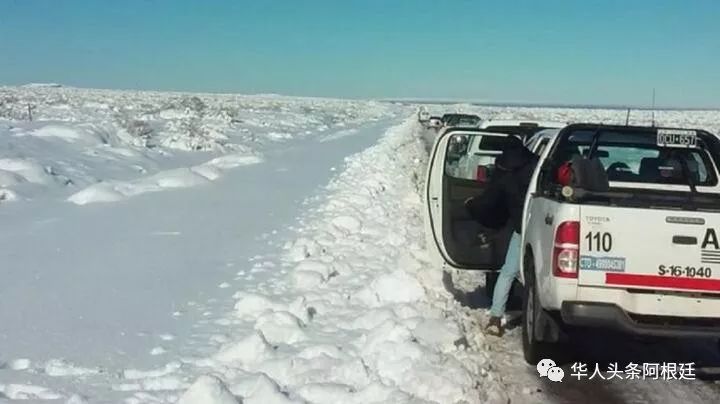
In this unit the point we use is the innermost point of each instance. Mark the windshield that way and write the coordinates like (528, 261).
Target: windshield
(636, 157)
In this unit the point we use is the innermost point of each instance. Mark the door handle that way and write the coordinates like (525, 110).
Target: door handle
(548, 219)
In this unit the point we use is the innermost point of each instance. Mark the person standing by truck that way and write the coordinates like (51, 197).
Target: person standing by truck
(507, 188)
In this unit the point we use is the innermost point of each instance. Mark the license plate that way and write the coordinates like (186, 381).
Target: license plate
(676, 138)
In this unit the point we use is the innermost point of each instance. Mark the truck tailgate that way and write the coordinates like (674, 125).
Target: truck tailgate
(649, 249)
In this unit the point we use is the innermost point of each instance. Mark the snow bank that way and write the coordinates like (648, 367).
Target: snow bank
(68, 133)
(113, 191)
(208, 390)
(356, 319)
(14, 171)
(250, 350)
(84, 136)
(9, 178)
(42, 85)
(58, 367)
(27, 392)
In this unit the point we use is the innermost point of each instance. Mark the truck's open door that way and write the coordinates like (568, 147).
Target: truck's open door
(462, 162)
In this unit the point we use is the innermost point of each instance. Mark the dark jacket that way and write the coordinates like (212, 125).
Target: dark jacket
(504, 197)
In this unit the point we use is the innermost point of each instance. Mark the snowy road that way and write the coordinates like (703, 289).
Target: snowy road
(102, 285)
(342, 308)
(106, 279)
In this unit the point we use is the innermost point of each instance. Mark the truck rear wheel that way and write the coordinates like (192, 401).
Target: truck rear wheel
(534, 350)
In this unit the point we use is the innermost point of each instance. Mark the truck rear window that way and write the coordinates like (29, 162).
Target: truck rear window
(493, 143)
(636, 157)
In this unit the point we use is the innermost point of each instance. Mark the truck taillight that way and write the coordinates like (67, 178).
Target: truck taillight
(481, 174)
(565, 250)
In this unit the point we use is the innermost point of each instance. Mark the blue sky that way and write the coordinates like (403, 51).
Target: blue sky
(599, 52)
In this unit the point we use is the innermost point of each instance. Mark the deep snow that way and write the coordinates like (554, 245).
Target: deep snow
(111, 279)
(178, 248)
(353, 314)
(325, 321)
(123, 143)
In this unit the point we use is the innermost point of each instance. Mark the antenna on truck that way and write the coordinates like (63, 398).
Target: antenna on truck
(653, 108)
(627, 118)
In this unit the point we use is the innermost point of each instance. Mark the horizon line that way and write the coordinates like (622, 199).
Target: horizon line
(414, 100)
(536, 104)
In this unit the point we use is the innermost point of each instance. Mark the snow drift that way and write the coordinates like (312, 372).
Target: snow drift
(351, 317)
(93, 145)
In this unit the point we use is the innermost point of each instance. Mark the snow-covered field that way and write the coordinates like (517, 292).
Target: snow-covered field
(101, 145)
(203, 248)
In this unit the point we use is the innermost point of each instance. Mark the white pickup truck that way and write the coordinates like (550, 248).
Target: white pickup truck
(631, 244)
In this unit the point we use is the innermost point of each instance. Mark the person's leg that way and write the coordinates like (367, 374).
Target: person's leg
(508, 272)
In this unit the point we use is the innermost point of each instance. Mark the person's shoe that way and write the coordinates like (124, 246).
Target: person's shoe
(494, 326)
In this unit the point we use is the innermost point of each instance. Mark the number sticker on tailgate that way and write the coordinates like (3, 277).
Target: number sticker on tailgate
(598, 243)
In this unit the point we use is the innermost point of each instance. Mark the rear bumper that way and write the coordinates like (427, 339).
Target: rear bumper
(610, 316)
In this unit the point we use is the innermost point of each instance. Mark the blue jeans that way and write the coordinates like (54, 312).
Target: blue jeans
(508, 272)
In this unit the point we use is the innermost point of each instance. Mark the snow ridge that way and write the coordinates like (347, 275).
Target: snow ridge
(358, 316)
(111, 191)
(63, 140)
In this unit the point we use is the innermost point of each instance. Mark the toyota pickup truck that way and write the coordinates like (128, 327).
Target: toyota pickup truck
(631, 243)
